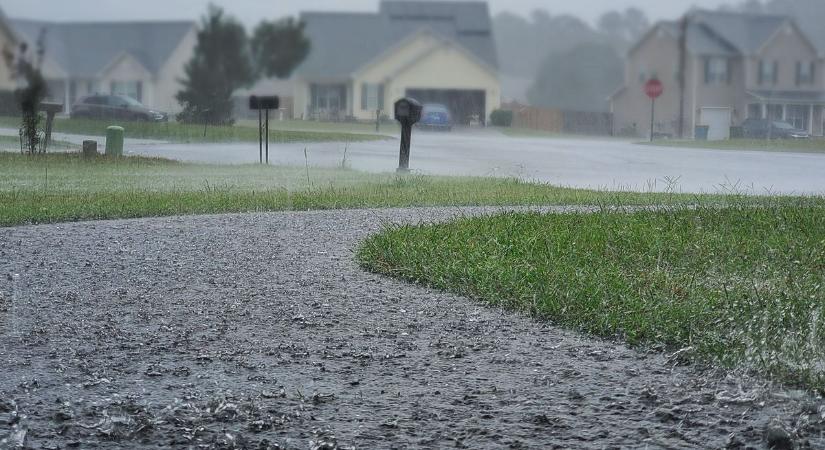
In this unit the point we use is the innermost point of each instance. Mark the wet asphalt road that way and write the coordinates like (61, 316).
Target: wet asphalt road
(585, 163)
(260, 331)
(575, 162)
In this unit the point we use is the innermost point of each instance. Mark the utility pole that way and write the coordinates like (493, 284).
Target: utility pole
(683, 27)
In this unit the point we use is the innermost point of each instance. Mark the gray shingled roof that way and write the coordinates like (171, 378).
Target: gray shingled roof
(344, 42)
(746, 32)
(5, 25)
(727, 33)
(84, 49)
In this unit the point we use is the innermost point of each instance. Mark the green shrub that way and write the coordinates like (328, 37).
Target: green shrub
(502, 118)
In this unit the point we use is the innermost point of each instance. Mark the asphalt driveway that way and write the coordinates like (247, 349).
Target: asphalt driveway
(260, 331)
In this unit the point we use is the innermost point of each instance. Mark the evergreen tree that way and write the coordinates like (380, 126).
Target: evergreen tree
(221, 64)
(278, 47)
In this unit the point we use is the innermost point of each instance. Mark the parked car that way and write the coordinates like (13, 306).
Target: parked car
(765, 129)
(436, 117)
(115, 107)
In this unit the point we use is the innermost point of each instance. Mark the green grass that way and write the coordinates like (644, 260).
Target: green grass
(739, 287)
(12, 144)
(178, 132)
(531, 133)
(814, 145)
(65, 187)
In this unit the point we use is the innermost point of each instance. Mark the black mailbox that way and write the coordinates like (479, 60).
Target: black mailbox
(264, 102)
(263, 105)
(408, 111)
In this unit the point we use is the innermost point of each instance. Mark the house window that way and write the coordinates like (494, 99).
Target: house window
(329, 100)
(768, 72)
(372, 97)
(754, 111)
(133, 89)
(805, 73)
(716, 70)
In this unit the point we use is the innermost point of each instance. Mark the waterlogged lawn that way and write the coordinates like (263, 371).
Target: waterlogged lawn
(178, 132)
(813, 145)
(12, 144)
(741, 287)
(65, 187)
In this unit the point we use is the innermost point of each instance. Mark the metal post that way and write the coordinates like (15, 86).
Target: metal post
(404, 157)
(377, 120)
(260, 137)
(682, 75)
(652, 115)
(267, 137)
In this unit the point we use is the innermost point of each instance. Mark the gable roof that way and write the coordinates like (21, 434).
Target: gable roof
(83, 50)
(727, 33)
(341, 43)
(6, 27)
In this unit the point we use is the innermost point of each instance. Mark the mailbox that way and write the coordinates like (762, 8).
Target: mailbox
(264, 102)
(408, 111)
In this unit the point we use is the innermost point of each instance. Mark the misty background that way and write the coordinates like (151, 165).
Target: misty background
(566, 55)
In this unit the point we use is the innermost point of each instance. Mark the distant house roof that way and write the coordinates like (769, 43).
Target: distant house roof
(341, 43)
(6, 26)
(83, 50)
(727, 33)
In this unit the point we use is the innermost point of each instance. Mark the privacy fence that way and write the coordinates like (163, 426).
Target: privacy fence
(561, 121)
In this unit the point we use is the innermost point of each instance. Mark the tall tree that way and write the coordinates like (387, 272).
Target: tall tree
(278, 47)
(580, 78)
(220, 65)
(623, 28)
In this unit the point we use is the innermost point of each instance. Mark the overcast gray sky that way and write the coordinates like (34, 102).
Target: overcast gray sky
(250, 11)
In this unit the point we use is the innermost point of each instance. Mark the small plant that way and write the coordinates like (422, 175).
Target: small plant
(29, 97)
(502, 118)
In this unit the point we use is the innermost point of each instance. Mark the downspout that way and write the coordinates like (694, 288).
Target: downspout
(682, 68)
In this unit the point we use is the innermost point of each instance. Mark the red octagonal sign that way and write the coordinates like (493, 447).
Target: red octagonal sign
(654, 88)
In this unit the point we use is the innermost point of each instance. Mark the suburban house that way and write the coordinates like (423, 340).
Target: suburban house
(435, 51)
(8, 46)
(737, 66)
(143, 60)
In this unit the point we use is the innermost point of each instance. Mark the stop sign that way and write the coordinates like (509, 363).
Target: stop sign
(654, 88)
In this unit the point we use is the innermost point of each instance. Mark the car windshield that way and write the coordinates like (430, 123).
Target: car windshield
(435, 109)
(129, 101)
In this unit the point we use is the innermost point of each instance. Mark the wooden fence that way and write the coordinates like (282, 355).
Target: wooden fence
(560, 121)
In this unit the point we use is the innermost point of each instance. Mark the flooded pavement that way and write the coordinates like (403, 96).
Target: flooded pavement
(260, 331)
(592, 163)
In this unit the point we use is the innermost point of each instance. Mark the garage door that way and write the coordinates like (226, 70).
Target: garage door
(718, 122)
(466, 106)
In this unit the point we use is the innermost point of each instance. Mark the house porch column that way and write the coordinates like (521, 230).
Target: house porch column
(67, 107)
(811, 119)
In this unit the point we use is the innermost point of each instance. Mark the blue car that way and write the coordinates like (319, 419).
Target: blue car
(436, 117)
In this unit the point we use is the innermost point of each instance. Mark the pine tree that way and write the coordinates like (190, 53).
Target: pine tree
(220, 65)
(278, 47)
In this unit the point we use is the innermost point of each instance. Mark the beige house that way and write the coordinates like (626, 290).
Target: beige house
(436, 52)
(737, 66)
(8, 44)
(142, 60)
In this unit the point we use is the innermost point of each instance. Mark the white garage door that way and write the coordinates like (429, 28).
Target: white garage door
(718, 122)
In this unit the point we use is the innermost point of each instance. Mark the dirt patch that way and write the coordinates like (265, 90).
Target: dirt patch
(260, 331)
